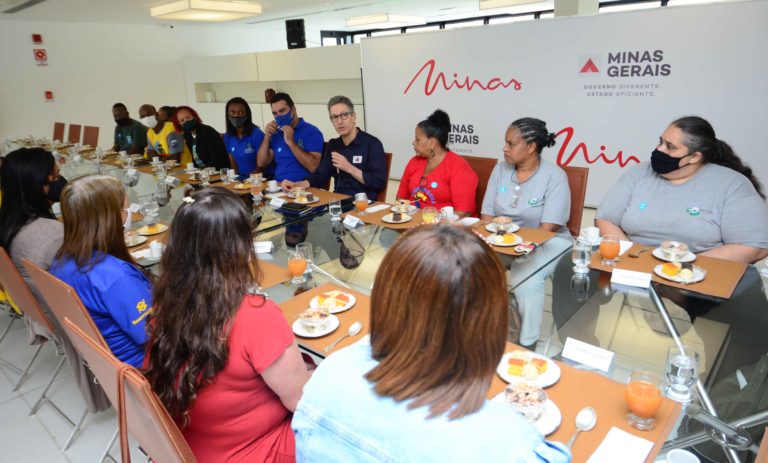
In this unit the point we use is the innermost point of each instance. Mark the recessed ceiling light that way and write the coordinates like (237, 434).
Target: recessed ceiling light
(384, 20)
(205, 10)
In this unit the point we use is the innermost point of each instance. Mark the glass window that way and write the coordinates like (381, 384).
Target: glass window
(511, 19)
(382, 33)
(358, 37)
(692, 2)
(329, 41)
(462, 24)
(630, 7)
(547, 15)
(411, 30)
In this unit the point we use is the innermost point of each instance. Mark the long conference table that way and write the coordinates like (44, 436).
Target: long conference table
(636, 325)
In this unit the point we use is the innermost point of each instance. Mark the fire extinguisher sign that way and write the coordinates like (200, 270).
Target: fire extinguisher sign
(40, 56)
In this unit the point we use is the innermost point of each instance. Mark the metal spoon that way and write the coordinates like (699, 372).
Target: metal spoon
(585, 421)
(638, 252)
(353, 331)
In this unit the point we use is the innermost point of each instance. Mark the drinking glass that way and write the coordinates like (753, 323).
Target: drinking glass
(297, 265)
(334, 208)
(256, 179)
(643, 396)
(223, 176)
(306, 250)
(150, 209)
(429, 215)
(361, 203)
(162, 194)
(205, 177)
(232, 175)
(609, 249)
(581, 256)
(256, 190)
(682, 372)
(502, 224)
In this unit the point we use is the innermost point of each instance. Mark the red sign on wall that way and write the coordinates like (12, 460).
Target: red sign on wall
(40, 56)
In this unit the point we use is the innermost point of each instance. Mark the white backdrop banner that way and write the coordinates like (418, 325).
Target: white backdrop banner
(608, 85)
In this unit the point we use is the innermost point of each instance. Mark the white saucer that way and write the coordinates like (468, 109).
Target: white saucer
(657, 253)
(548, 378)
(404, 218)
(517, 241)
(316, 200)
(139, 239)
(698, 275)
(299, 330)
(550, 418)
(583, 240)
(411, 209)
(273, 190)
(491, 227)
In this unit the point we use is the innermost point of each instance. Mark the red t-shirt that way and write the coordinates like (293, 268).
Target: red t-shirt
(452, 183)
(238, 418)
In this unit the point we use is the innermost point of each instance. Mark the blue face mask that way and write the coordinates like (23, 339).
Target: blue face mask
(284, 119)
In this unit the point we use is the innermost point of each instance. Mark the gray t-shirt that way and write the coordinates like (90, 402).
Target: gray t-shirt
(716, 206)
(544, 197)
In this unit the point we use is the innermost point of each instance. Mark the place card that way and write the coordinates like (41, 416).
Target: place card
(631, 278)
(377, 208)
(619, 445)
(276, 202)
(587, 354)
(263, 247)
(351, 221)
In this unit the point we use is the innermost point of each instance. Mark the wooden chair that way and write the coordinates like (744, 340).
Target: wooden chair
(58, 131)
(577, 183)
(483, 168)
(382, 196)
(65, 303)
(19, 292)
(140, 411)
(91, 136)
(74, 133)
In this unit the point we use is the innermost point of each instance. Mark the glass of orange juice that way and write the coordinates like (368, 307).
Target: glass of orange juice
(609, 249)
(297, 265)
(361, 203)
(429, 215)
(643, 396)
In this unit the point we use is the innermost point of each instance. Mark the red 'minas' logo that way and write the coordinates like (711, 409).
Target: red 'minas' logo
(432, 80)
(564, 159)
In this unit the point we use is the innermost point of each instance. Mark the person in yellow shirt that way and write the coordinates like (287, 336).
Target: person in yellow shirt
(162, 138)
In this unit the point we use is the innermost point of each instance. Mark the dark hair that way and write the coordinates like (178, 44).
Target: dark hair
(438, 126)
(208, 267)
(23, 174)
(281, 96)
(248, 126)
(171, 110)
(438, 320)
(700, 136)
(341, 99)
(175, 117)
(119, 106)
(534, 130)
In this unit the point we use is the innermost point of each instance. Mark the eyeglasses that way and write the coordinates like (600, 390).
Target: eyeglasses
(341, 117)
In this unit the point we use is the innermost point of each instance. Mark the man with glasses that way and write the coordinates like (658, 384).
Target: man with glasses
(355, 160)
(293, 144)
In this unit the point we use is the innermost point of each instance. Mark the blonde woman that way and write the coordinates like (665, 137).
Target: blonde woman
(95, 261)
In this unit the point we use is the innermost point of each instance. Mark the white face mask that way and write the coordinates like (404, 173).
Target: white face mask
(149, 122)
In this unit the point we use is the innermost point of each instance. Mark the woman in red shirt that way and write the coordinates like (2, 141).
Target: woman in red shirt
(436, 176)
(222, 357)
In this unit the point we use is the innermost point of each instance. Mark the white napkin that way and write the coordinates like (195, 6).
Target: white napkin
(56, 208)
(624, 246)
(141, 254)
(469, 221)
(622, 446)
(263, 247)
(377, 208)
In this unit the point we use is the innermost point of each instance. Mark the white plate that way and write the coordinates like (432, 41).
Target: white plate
(411, 209)
(491, 227)
(299, 330)
(517, 241)
(550, 418)
(146, 231)
(136, 241)
(469, 221)
(316, 200)
(550, 377)
(388, 218)
(698, 275)
(274, 190)
(193, 171)
(352, 300)
(657, 253)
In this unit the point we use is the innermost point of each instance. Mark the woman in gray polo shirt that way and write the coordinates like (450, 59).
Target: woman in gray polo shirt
(696, 190)
(535, 193)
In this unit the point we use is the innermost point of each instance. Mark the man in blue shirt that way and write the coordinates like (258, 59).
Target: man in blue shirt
(355, 160)
(294, 145)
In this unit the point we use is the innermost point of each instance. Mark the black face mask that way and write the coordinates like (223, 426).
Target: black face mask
(237, 122)
(189, 125)
(121, 120)
(662, 163)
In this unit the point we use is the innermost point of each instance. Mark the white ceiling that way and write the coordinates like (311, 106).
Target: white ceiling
(319, 14)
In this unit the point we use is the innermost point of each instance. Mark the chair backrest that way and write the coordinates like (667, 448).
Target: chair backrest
(19, 292)
(91, 136)
(577, 183)
(74, 133)
(146, 418)
(58, 131)
(483, 168)
(382, 196)
(63, 301)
